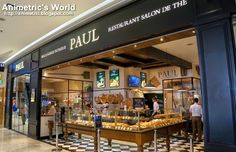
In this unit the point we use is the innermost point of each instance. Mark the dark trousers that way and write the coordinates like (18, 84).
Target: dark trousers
(197, 127)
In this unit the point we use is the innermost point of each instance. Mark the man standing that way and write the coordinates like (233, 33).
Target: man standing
(196, 114)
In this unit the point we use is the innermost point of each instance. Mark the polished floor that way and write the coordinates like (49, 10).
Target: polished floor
(11, 141)
(86, 144)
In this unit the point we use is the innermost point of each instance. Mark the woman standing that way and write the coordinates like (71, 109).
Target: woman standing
(156, 108)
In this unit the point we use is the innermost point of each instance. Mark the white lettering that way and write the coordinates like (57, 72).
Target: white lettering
(79, 42)
(4, 7)
(94, 36)
(19, 66)
(179, 4)
(72, 43)
(84, 39)
(89, 37)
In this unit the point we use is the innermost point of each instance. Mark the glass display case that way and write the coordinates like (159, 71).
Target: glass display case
(179, 94)
(122, 120)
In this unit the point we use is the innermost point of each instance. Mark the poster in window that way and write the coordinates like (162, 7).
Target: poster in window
(101, 79)
(143, 79)
(114, 78)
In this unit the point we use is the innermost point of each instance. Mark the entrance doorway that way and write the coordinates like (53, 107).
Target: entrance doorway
(20, 103)
(165, 68)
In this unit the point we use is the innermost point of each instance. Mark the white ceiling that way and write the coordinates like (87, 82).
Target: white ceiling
(183, 48)
(19, 31)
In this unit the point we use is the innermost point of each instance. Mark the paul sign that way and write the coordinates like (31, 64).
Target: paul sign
(84, 39)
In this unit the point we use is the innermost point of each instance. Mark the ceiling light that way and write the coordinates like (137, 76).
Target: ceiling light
(113, 52)
(182, 89)
(80, 60)
(192, 90)
(193, 31)
(58, 66)
(45, 74)
(161, 39)
(135, 45)
(168, 89)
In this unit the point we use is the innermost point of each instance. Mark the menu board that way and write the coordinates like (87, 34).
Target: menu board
(138, 103)
(101, 79)
(143, 79)
(114, 78)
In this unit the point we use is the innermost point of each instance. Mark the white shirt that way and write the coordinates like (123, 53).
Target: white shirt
(196, 110)
(155, 107)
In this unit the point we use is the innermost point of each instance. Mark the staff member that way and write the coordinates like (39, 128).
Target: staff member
(196, 114)
(156, 109)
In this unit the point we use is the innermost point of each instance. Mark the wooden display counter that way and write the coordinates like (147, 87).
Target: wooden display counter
(138, 137)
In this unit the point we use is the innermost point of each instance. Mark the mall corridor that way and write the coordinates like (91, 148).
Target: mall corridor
(11, 141)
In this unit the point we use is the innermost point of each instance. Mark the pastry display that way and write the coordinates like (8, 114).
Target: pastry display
(155, 123)
(109, 98)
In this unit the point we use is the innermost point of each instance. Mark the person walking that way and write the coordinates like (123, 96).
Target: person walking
(196, 114)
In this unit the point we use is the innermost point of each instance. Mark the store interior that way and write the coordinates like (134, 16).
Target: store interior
(122, 83)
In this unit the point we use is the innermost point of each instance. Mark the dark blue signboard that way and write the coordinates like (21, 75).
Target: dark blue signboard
(2, 65)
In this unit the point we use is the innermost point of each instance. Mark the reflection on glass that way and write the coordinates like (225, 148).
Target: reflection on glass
(20, 103)
(58, 93)
(179, 94)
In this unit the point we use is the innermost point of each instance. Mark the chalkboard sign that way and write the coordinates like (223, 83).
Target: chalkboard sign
(138, 103)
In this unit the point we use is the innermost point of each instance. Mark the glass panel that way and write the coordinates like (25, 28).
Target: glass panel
(75, 85)
(87, 94)
(176, 84)
(75, 93)
(54, 95)
(20, 103)
(187, 83)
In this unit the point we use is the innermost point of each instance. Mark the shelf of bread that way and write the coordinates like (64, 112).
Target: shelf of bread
(155, 123)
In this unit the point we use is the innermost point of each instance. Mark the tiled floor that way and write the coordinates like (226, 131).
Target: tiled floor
(86, 145)
(11, 141)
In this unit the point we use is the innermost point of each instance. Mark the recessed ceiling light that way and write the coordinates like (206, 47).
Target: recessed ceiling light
(58, 66)
(80, 60)
(2, 19)
(113, 52)
(193, 31)
(161, 39)
(135, 45)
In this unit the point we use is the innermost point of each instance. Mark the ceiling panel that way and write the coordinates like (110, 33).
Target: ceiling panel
(19, 31)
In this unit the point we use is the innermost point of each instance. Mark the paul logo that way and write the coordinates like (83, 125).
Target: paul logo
(84, 39)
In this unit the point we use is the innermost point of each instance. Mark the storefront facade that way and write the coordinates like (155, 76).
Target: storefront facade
(136, 22)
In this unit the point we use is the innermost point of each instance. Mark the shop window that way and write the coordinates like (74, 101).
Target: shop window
(20, 103)
(179, 94)
(60, 93)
